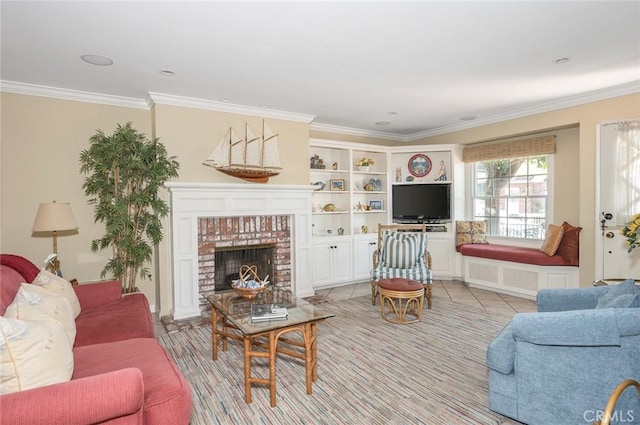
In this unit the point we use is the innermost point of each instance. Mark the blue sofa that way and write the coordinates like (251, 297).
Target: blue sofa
(561, 364)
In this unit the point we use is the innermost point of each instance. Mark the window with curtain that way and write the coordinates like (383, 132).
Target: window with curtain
(628, 172)
(510, 186)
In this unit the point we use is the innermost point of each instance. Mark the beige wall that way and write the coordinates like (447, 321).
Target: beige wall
(566, 176)
(315, 134)
(41, 143)
(191, 134)
(42, 139)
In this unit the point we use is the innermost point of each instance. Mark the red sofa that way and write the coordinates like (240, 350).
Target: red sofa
(122, 375)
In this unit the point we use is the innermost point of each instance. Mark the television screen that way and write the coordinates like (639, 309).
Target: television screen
(421, 202)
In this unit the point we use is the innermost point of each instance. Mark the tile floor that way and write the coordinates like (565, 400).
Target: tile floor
(454, 290)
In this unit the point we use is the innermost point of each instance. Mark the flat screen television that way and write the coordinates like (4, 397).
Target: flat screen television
(421, 202)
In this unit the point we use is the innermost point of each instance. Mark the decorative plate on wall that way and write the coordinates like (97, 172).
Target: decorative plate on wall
(419, 165)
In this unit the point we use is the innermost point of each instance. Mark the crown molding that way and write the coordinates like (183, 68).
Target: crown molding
(212, 105)
(580, 99)
(358, 132)
(166, 99)
(68, 94)
(566, 102)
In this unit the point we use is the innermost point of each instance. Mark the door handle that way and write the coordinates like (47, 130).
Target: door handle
(610, 235)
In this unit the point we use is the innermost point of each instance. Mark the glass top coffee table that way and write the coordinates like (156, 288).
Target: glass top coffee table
(231, 318)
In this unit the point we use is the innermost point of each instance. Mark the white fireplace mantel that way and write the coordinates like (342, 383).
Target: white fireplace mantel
(189, 201)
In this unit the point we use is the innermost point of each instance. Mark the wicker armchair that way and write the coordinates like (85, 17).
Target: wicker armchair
(420, 272)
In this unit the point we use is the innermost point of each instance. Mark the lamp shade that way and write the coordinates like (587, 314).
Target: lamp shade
(53, 217)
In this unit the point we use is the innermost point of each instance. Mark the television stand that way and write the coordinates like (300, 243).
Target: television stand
(436, 228)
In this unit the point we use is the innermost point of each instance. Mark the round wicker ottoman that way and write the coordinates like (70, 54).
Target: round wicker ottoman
(401, 300)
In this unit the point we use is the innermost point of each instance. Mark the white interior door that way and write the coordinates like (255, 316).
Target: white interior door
(615, 261)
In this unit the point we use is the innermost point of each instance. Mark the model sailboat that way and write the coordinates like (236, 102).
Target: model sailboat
(251, 158)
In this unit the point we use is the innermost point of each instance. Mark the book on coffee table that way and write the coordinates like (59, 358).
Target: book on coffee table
(264, 312)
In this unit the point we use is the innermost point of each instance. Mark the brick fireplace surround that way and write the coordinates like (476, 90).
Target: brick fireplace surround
(236, 206)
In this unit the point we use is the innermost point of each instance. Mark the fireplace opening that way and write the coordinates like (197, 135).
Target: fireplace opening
(228, 261)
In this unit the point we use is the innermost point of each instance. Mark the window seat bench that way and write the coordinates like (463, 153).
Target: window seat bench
(515, 270)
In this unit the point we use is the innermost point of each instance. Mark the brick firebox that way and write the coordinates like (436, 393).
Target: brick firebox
(244, 231)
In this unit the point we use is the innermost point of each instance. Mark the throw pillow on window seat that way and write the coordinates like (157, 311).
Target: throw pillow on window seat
(569, 247)
(552, 240)
(471, 231)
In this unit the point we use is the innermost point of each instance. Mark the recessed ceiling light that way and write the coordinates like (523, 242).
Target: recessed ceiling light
(392, 113)
(383, 122)
(167, 73)
(224, 99)
(468, 118)
(97, 60)
(560, 61)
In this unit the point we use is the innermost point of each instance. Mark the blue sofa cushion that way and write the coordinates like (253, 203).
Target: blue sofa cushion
(621, 301)
(567, 328)
(611, 300)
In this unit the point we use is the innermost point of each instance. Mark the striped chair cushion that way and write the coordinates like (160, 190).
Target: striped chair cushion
(402, 250)
(419, 273)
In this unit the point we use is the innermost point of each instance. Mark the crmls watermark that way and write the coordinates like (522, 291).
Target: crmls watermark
(620, 416)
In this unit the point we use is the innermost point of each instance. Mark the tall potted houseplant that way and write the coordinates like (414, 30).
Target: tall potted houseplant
(125, 171)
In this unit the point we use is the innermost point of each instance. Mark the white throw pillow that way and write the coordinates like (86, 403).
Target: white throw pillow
(33, 353)
(57, 285)
(32, 300)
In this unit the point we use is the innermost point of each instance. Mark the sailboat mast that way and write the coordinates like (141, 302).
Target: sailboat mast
(262, 147)
(230, 144)
(246, 144)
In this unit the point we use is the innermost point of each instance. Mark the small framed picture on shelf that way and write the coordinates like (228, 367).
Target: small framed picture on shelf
(328, 232)
(336, 185)
(375, 205)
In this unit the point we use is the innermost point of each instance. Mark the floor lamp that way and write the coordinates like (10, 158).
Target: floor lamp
(54, 217)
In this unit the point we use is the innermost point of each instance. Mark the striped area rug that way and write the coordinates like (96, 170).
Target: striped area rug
(369, 371)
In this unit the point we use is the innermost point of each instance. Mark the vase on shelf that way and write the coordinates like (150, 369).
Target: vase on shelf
(362, 168)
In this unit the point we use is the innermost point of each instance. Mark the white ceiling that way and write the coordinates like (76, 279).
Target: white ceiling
(349, 64)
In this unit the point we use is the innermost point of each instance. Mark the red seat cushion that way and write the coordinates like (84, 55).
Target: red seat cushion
(125, 318)
(399, 284)
(516, 254)
(167, 396)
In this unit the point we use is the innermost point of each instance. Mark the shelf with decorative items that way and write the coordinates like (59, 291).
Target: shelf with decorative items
(369, 190)
(360, 201)
(329, 171)
(370, 173)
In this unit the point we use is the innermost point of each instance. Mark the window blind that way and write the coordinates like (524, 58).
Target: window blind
(516, 148)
